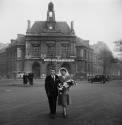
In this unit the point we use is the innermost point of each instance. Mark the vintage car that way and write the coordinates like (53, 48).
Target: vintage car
(98, 78)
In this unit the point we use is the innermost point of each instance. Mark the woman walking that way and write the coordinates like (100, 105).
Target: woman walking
(63, 96)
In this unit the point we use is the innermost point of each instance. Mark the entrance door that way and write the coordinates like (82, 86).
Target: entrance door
(36, 69)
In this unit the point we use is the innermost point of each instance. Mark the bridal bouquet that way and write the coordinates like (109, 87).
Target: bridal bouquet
(65, 85)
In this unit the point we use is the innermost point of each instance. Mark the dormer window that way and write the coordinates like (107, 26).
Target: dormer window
(50, 27)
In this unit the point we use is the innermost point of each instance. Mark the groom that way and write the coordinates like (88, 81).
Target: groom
(51, 84)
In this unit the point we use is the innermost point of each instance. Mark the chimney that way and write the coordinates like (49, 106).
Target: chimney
(28, 26)
(72, 27)
(12, 41)
(20, 35)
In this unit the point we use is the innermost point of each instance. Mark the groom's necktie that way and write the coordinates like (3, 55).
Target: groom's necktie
(53, 78)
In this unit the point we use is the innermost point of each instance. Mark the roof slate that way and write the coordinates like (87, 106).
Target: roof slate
(81, 42)
(60, 27)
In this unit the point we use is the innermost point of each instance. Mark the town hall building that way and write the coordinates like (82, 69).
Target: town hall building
(48, 44)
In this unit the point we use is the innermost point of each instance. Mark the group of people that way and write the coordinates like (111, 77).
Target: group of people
(57, 89)
(28, 77)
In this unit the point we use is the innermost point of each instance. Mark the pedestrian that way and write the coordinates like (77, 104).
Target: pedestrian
(25, 79)
(30, 78)
(65, 83)
(51, 88)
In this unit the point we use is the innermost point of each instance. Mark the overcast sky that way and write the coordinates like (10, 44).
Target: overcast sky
(94, 20)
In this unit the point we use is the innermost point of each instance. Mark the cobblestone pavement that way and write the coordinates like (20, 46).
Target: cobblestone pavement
(92, 104)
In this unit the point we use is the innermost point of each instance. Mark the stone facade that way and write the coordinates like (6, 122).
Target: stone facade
(49, 44)
(3, 63)
(84, 59)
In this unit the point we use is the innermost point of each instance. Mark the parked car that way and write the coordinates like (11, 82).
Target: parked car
(89, 78)
(98, 78)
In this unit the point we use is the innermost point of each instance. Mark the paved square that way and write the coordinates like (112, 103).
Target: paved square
(92, 104)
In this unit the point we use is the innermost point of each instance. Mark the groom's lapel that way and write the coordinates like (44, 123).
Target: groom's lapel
(53, 78)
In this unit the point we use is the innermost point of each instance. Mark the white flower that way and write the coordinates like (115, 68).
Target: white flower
(65, 85)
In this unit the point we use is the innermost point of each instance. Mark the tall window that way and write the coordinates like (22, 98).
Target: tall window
(81, 53)
(85, 54)
(66, 50)
(19, 53)
(51, 50)
(35, 52)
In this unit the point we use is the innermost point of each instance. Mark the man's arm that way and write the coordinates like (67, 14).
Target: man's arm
(58, 80)
(47, 86)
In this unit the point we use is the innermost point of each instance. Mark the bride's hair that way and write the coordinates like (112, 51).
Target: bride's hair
(63, 69)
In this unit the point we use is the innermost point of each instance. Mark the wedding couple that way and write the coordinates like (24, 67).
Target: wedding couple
(57, 87)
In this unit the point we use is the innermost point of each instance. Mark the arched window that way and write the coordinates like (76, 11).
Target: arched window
(36, 69)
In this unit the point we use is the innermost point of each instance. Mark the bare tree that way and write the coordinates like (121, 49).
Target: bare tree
(108, 60)
(106, 54)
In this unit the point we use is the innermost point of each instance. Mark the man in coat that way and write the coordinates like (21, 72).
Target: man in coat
(25, 78)
(30, 78)
(51, 87)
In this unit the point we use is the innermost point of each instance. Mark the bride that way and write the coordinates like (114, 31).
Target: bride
(63, 96)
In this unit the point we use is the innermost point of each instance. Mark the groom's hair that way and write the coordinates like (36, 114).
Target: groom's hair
(52, 69)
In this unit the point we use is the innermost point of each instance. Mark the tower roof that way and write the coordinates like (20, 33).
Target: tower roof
(50, 26)
(60, 27)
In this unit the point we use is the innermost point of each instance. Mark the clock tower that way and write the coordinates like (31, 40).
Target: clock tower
(50, 17)
(50, 12)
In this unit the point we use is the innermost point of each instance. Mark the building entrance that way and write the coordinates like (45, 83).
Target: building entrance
(36, 69)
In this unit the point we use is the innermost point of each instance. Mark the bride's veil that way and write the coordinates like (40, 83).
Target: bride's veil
(67, 73)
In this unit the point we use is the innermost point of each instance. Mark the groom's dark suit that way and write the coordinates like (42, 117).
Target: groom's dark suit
(51, 85)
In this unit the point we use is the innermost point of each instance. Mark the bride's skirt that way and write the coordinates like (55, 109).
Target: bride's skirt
(63, 98)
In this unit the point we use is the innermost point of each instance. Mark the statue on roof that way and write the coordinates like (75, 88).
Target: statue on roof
(50, 12)
(50, 6)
